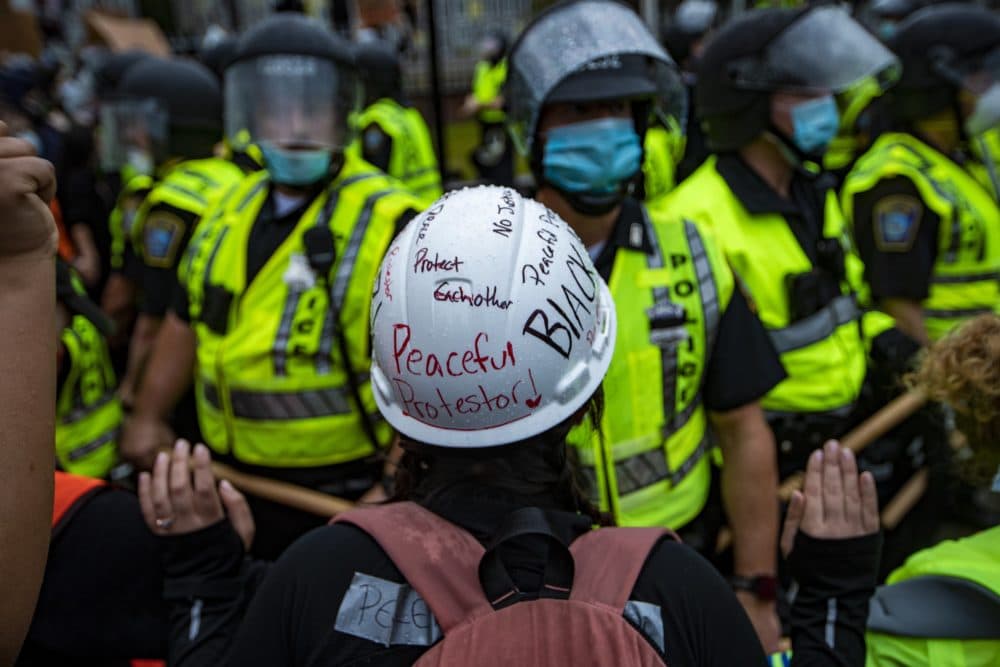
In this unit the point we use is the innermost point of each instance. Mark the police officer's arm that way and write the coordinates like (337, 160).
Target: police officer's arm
(896, 237)
(376, 147)
(27, 394)
(166, 231)
(168, 375)
(744, 366)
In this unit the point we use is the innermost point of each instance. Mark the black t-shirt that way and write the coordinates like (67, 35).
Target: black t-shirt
(744, 365)
(102, 595)
(897, 239)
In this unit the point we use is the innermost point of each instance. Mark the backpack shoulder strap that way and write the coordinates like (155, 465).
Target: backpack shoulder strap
(438, 559)
(609, 561)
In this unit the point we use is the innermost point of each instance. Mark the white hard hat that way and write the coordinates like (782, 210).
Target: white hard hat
(490, 324)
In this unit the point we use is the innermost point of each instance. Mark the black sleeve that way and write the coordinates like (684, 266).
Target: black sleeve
(209, 583)
(744, 365)
(376, 147)
(180, 305)
(102, 595)
(897, 239)
(836, 579)
(166, 232)
(703, 623)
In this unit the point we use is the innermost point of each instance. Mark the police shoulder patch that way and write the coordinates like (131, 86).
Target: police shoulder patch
(162, 235)
(896, 218)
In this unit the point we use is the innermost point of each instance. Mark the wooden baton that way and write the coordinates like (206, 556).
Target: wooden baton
(284, 493)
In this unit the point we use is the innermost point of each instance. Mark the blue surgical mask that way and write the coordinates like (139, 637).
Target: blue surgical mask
(298, 167)
(594, 157)
(815, 123)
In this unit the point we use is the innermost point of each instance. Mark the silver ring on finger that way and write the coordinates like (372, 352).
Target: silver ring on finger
(164, 523)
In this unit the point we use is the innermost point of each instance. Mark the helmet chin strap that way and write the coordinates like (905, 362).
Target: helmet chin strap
(593, 204)
(792, 153)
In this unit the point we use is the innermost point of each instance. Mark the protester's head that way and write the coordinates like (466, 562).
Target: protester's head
(290, 89)
(962, 371)
(951, 70)
(792, 76)
(161, 110)
(491, 333)
(583, 79)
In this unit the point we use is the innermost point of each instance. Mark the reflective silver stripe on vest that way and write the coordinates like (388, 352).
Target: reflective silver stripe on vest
(668, 352)
(706, 284)
(970, 278)
(204, 178)
(92, 446)
(186, 191)
(262, 183)
(278, 406)
(323, 365)
(81, 412)
(958, 313)
(648, 468)
(817, 327)
(284, 333)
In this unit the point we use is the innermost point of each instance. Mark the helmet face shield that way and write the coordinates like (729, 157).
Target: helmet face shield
(134, 133)
(594, 37)
(823, 51)
(290, 101)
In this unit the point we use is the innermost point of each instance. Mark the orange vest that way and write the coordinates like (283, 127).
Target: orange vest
(70, 489)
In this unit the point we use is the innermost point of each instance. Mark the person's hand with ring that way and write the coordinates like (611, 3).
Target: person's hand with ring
(180, 495)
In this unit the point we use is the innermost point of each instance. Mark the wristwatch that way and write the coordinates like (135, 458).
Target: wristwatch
(763, 586)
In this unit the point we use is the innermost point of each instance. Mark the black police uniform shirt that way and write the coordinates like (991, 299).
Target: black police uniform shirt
(291, 618)
(897, 239)
(744, 365)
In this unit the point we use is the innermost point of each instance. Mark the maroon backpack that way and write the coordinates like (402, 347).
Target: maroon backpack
(578, 619)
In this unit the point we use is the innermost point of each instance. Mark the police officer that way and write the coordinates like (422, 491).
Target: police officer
(394, 136)
(765, 96)
(277, 280)
(690, 355)
(493, 158)
(88, 410)
(924, 211)
(168, 117)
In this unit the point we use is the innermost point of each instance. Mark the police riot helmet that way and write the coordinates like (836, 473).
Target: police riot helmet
(379, 68)
(489, 356)
(584, 52)
(812, 50)
(944, 49)
(112, 68)
(692, 21)
(290, 89)
(217, 55)
(587, 51)
(161, 109)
